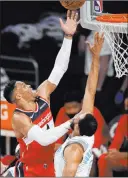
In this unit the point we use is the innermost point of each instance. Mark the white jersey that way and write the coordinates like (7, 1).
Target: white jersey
(84, 167)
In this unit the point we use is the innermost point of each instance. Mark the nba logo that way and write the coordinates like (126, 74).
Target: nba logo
(98, 6)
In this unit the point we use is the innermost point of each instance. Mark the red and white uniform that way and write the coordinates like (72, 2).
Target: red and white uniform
(36, 160)
(119, 163)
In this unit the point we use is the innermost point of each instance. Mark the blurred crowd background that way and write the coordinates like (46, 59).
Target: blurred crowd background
(31, 31)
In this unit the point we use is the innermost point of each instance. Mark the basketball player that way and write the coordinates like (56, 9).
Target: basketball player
(33, 117)
(117, 158)
(74, 157)
(72, 106)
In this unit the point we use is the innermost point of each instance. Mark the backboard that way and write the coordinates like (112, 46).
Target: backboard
(91, 10)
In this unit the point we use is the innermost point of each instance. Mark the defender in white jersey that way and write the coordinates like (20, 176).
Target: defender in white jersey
(74, 157)
(85, 144)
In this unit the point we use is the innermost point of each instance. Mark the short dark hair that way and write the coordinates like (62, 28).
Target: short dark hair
(73, 96)
(8, 90)
(87, 125)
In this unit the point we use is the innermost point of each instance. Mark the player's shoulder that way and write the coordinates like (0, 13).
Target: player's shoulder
(19, 117)
(73, 151)
(74, 147)
(41, 93)
(85, 141)
(41, 99)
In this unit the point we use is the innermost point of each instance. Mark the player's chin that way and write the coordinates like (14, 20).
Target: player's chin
(34, 93)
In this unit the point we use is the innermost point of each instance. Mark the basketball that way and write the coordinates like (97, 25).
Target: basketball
(72, 4)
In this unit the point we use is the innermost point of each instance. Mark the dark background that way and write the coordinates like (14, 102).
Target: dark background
(29, 11)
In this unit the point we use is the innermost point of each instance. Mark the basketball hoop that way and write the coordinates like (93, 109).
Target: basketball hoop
(114, 27)
(114, 18)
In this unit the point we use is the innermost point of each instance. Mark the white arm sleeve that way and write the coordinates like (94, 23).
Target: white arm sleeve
(50, 136)
(61, 63)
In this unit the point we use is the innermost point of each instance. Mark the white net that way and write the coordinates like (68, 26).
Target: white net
(118, 43)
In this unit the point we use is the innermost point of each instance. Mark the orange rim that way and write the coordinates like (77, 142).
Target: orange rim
(114, 18)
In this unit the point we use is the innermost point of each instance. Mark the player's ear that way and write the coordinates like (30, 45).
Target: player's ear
(18, 96)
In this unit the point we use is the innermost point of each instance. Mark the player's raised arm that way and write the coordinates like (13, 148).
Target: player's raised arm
(62, 59)
(90, 90)
(23, 125)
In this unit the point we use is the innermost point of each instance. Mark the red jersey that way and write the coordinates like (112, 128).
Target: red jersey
(102, 132)
(32, 153)
(121, 133)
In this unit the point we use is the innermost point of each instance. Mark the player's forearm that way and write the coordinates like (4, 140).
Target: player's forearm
(91, 86)
(48, 137)
(62, 61)
(93, 76)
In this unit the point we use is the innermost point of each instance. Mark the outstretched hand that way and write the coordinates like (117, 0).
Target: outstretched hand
(98, 43)
(69, 27)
